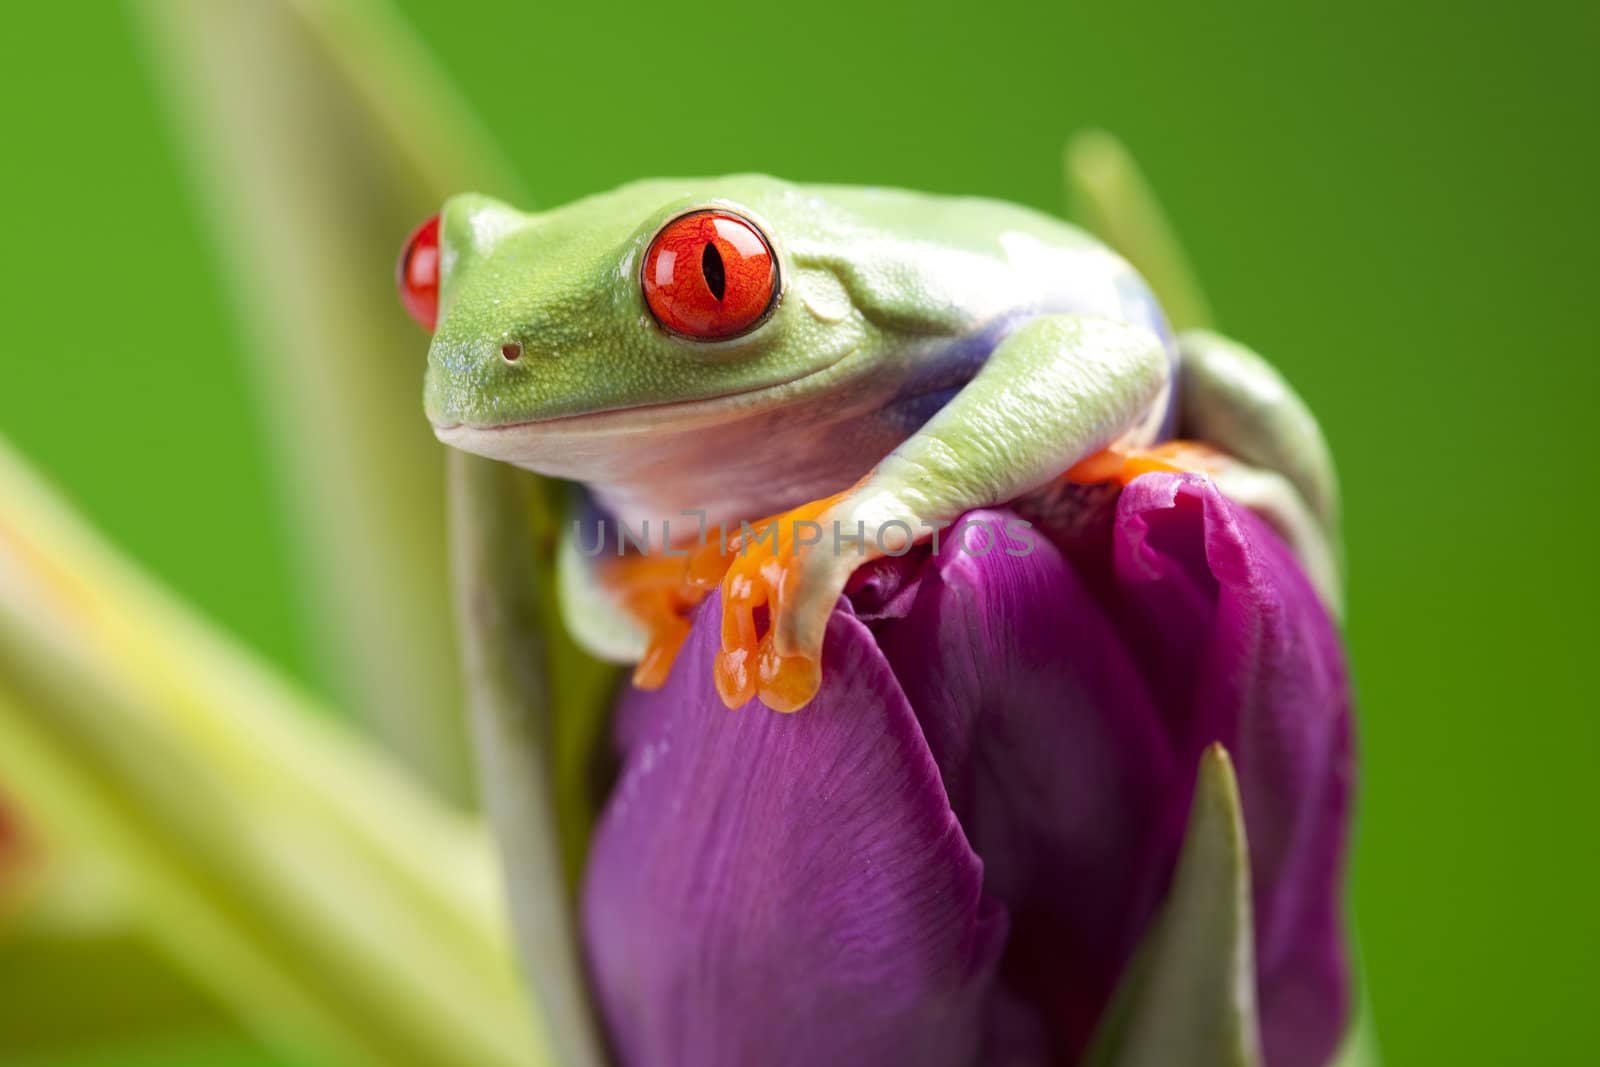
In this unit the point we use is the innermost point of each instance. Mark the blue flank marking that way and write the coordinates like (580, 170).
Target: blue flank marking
(942, 374)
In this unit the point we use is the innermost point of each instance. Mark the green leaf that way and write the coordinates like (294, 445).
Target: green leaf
(70, 928)
(306, 881)
(1189, 995)
(1110, 196)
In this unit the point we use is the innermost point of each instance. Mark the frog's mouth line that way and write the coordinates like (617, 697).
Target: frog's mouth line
(679, 415)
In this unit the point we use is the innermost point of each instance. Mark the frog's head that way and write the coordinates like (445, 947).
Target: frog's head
(655, 296)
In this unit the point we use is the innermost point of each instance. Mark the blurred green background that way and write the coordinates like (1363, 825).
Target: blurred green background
(1392, 202)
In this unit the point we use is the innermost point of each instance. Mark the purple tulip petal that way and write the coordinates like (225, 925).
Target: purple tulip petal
(1057, 764)
(779, 889)
(1068, 711)
(1258, 667)
(786, 889)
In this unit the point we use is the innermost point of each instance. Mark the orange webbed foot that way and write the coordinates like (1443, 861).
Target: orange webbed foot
(763, 572)
(763, 575)
(657, 590)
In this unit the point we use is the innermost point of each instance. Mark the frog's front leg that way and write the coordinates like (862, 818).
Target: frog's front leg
(1055, 390)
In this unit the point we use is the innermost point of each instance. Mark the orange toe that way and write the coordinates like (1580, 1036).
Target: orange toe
(655, 590)
(758, 570)
(758, 585)
(1124, 465)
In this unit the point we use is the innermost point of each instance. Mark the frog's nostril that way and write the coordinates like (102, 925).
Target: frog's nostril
(511, 351)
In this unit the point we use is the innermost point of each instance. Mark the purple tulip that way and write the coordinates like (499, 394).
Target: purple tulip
(951, 854)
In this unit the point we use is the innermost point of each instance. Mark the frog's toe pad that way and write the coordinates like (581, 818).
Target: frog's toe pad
(761, 592)
(784, 683)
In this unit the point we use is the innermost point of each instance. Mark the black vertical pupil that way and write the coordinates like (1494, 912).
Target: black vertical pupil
(711, 266)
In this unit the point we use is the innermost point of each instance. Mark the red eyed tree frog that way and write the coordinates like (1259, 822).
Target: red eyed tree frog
(702, 353)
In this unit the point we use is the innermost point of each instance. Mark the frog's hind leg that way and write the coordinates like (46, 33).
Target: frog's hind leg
(1241, 424)
(1281, 468)
(1231, 397)
(1268, 451)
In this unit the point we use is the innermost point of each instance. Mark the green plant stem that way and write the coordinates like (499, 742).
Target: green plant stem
(509, 696)
(319, 133)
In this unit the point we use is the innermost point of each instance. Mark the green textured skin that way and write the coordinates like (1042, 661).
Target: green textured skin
(864, 272)
(1059, 346)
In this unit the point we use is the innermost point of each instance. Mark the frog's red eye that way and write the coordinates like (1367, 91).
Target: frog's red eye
(709, 275)
(417, 273)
